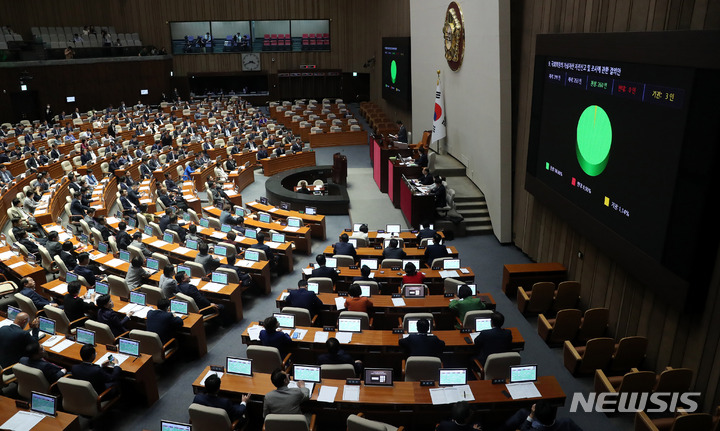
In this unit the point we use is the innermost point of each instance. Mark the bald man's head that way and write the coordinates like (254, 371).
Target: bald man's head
(22, 319)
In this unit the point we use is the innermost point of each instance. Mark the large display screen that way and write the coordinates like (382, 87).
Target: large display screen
(621, 147)
(396, 70)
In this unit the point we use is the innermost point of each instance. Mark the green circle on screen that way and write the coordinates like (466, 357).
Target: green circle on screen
(594, 138)
(393, 71)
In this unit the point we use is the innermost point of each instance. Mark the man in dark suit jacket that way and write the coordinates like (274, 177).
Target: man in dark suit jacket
(392, 251)
(344, 247)
(14, 339)
(435, 250)
(422, 343)
(303, 298)
(35, 358)
(28, 289)
(322, 270)
(100, 377)
(425, 231)
(422, 159)
(115, 320)
(495, 340)
(162, 322)
(122, 238)
(210, 398)
(266, 248)
(73, 305)
(77, 209)
(174, 226)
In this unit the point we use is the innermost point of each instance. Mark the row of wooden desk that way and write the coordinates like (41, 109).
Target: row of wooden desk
(272, 166)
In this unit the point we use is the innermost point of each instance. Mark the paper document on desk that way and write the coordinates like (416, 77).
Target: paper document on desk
(114, 262)
(321, 337)
(112, 220)
(212, 287)
(327, 394)
(298, 334)
(351, 393)
(97, 255)
(218, 235)
(291, 229)
(64, 236)
(22, 421)
(272, 244)
(64, 344)
(142, 312)
(119, 356)
(5, 322)
(465, 270)
(195, 281)
(60, 289)
(181, 250)
(448, 273)
(384, 235)
(158, 243)
(254, 332)
(519, 391)
(340, 302)
(309, 385)
(16, 264)
(344, 337)
(245, 263)
(272, 210)
(52, 341)
(284, 295)
(6, 255)
(451, 394)
(398, 302)
(307, 271)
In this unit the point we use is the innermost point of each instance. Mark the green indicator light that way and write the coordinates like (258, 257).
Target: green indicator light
(393, 71)
(594, 138)
(547, 165)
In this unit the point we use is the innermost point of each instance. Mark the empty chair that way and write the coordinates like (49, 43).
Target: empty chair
(497, 366)
(683, 421)
(163, 260)
(344, 260)
(417, 368)
(594, 324)
(359, 423)
(391, 263)
(302, 315)
(135, 252)
(597, 353)
(30, 379)
(365, 320)
(325, 284)
(103, 333)
(563, 327)
(118, 287)
(62, 324)
(152, 293)
(210, 418)
(538, 300)
(567, 295)
(674, 380)
(231, 274)
(210, 312)
(634, 381)
(629, 353)
(267, 359)
(79, 398)
(196, 269)
(289, 422)
(438, 262)
(337, 371)
(150, 344)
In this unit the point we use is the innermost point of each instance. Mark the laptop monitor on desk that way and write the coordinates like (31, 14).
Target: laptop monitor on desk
(43, 403)
(349, 324)
(451, 264)
(392, 228)
(219, 277)
(174, 426)
(85, 336)
(523, 373)
(179, 307)
(285, 320)
(378, 377)
(306, 373)
(370, 263)
(453, 376)
(127, 346)
(252, 255)
(102, 288)
(46, 325)
(137, 298)
(238, 366)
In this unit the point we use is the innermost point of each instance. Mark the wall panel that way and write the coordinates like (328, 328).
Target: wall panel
(675, 338)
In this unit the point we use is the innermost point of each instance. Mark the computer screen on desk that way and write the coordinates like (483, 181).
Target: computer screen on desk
(331, 262)
(12, 312)
(294, 222)
(378, 377)
(414, 290)
(415, 262)
(168, 237)
(85, 336)
(46, 325)
(220, 250)
(102, 288)
(250, 233)
(125, 255)
(148, 230)
(137, 298)
(153, 264)
(43, 403)
(70, 276)
(174, 426)
(265, 218)
(349, 324)
(370, 263)
(392, 228)
(239, 366)
(191, 244)
(453, 376)
(523, 373)
(285, 320)
(472, 287)
(252, 255)
(357, 226)
(179, 307)
(313, 287)
(278, 237)
(412, 326)
(219, 277)
(103, 247)
(451, 264)
(130, 347)
(482, 324)
(310, 210)
(225, 228)
(306, 373)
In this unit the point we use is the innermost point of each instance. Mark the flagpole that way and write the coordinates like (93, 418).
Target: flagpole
(437, 150)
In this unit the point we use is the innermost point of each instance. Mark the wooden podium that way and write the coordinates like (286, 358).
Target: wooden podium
(339, 171)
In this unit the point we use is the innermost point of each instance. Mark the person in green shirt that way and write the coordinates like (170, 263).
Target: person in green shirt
(466, 302)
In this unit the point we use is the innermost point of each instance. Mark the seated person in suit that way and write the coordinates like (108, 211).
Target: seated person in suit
(423, 343)
(192, 233)
(303, 298)
(174, 226)
(67, 257)
(170, 184)
(75, 307)
(322, 270)
(426, 178)
(304, 189)
(231, 236)
(164, 221)
(356, 302)
(412, 275)
(425, 231)
(362, 233)
(101, 377)
(270, 336)
(542, 416)
(392, 251)
(261, 152)
(495, 340)
(466, 302)
(27, 288)
(260, 245)
(52, 245)
(462, 419)
(210, 398)
(35, 357)
(208, 262)
(31, 246)
(440, 193)
(162, 322)
(227, 218)
(116, 321)
(364, 274)
(284, 400)
(168, 285)
(136, 274)
(122, 238)
(422, 159)
(244, 277)
(435, 250)
(344, 247)
(336, 356)
(137, 242)
(14, 339)
(84, 270)
(184, 287)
